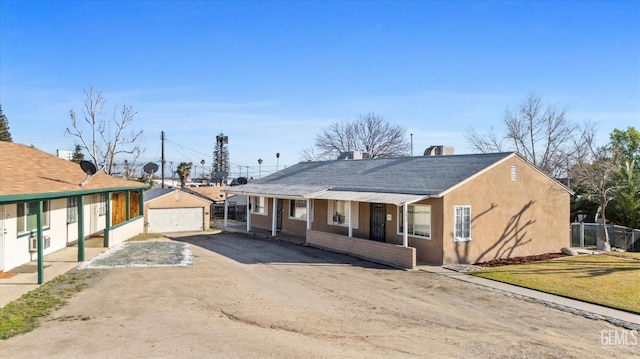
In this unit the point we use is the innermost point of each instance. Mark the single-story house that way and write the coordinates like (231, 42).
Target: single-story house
(48, 203)
(407, 210)
(174, 210)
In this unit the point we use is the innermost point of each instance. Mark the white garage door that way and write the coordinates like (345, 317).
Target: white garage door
(175, 220)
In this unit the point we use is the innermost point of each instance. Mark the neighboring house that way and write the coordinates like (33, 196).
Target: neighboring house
(174, 210)
(408, 210)
(48, 203)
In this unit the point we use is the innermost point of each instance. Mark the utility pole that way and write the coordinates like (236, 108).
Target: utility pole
(162, 160)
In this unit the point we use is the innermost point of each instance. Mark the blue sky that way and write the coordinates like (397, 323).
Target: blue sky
(272, 75)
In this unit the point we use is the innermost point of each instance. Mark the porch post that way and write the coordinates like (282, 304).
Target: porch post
(581, 234)
(248, 213)
(40, 245)
(350, 219)
(80, 228)
(309, 214)
(274, 216)
(405, 225)
(107, 221)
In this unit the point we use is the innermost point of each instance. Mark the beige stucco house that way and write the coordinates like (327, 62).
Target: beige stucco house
(416, 210)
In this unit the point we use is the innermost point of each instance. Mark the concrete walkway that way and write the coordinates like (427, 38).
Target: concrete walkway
(55, 264)
(593, 311)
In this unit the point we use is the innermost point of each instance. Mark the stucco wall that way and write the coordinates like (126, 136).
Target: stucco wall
(509, 218)
(123, 232)
(391, 254)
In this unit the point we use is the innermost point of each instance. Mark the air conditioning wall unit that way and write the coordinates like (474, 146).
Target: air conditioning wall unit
(338, 219)
(33, 242)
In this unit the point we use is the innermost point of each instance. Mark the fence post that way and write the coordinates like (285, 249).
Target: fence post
(581, 234)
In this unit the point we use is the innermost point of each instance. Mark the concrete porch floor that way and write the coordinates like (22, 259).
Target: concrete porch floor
(55, 264)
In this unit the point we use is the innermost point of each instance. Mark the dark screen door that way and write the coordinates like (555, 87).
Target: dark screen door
(377, 223)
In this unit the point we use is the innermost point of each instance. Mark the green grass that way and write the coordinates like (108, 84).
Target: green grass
(601, 279)
(23, 315)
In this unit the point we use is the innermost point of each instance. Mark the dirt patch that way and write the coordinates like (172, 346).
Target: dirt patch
(520, 260)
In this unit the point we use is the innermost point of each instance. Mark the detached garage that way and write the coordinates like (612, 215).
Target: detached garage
(174, 210)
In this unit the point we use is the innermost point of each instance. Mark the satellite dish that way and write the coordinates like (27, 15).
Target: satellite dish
(150, 167)
(242, 180)
(88, 168)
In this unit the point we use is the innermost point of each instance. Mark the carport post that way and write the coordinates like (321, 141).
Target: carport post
(273, 217)
(405, 225)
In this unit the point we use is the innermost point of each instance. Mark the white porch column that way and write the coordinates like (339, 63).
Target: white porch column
(309, 214)
(274, 216)
(248, 214)
(350, 219)
(405, 225)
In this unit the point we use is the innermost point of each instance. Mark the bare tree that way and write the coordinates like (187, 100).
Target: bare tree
(369, 133)
(595, 172)
(103, 140)
(540, 132)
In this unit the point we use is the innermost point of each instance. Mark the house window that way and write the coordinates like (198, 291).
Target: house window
(463, 223)
(28, 216)
(298, 209)
(258, 205)
(338, 213)
(72, 210)
(102, 204)
(418, 220)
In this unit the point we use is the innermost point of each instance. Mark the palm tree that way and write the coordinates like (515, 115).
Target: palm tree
(277, 160)
(184, 170)
(259, 167)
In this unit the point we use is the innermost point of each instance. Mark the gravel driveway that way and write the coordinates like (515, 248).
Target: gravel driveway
(253, 298)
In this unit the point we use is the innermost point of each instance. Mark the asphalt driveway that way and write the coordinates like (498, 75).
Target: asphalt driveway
(254, 298)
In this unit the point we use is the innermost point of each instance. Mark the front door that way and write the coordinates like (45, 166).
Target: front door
(377, 222)
(279, 214)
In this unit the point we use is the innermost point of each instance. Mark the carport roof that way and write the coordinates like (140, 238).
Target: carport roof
(385, 180)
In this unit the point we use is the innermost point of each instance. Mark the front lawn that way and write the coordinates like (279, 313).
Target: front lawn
(601, 279)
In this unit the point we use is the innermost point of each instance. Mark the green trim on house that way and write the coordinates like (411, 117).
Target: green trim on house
(55, 195)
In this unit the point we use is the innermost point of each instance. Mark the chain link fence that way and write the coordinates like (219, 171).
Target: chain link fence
(587, 235)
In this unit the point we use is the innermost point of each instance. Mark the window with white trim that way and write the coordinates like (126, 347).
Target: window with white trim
(258, 205)
(418, 218)
(72, 209)
(338, 213)
(28, 216)
(462, 223)
(298, 209)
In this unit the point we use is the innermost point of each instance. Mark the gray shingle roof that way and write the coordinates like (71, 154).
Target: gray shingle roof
(152, 193)
(428, 175)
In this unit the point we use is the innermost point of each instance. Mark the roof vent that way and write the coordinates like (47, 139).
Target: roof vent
(438, 150)
(353, 155)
